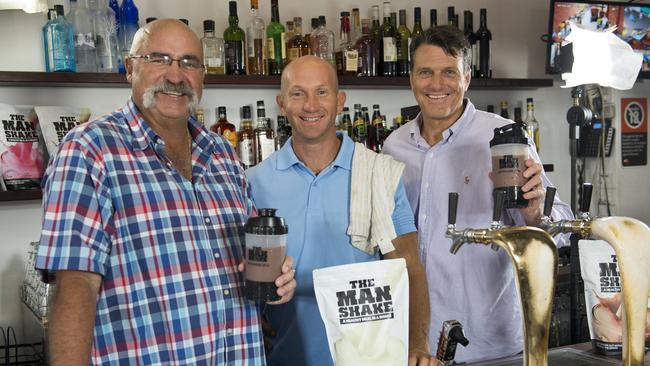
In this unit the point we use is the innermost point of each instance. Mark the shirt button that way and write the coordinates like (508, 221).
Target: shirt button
(229, 331)
(207, 220)
(426, 185)
(217, 255)
(226, 292)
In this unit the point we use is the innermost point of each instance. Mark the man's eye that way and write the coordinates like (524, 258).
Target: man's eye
(296, 94)
(424, 73)
(191, 63)
(158, 60)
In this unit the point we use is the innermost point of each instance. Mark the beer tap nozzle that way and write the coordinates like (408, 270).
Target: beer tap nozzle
(499, 199)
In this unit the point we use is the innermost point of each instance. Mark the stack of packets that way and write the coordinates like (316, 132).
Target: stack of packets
(28, 137)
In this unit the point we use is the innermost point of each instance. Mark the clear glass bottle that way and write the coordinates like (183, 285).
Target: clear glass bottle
(314, 25)
(276, 51)
(284, 132)
(433, 18)
(297, 46)
(388, 46)
(368, 51)
(403, 42)
(531, 122)
(347, 56)
(322, 42)
(483, 38)
(234, 38)
(263, 135)
(106, 41)
(245, 139)
(224, 128)
(255, 41)
(417, 22)
(213, 50)
(85, 50)
(129, 25)
(58, 41)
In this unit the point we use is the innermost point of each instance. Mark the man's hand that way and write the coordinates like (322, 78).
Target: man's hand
(286, 283)
(422, 358)
(534, 192)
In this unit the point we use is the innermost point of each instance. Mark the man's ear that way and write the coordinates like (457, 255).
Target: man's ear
(128, 65)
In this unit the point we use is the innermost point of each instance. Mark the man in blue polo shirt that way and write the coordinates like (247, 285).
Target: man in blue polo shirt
(308, 181)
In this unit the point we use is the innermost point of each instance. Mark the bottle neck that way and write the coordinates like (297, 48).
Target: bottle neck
(208, 33)
(233, 20)
(345, 30)
(275, 14)
(483, 19)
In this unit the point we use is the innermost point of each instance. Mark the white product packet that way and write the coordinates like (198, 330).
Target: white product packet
(55, 123)
(365, 308)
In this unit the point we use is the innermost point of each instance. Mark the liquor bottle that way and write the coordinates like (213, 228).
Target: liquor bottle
(85, 50)
(504, 109)
(388, 47)
(275, 42)
(225, 128)
(263, 135)
(359, 124)
(233, 38)
(368, 51)
(289, 31)
(366, 122)
(451, 17)
(355, 26)
(129, 18)
(468, 30)
(58, 38)
(433, 18)
(376, 131)
(403, 43)
(106, 41)
(531, 122)
(314, 25)
(255, 41)
(200, 115)
(322, 42)
(483, 38)
(345, 123)
(284, 132)
(245, 139)
(517, 118)
(297, 46)
(347, 56)
(213, 50)
(417, 22)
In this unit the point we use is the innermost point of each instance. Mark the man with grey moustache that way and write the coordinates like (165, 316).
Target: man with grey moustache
(143, 226)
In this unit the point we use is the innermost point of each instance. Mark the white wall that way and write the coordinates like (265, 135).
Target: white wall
(516, 26)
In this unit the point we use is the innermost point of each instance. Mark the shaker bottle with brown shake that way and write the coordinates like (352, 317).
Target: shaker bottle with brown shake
(266, 238)
(509, 149)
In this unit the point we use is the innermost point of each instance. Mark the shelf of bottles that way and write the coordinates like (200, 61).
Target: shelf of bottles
(93, 79)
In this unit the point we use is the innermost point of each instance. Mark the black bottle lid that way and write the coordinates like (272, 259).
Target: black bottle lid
(208, 25)
(59, 10)
(321, 20)
(232, 6)
(346, 109)
(246, 112)
(187, 22)
(266, 223)
(150, 19)
(221, 110)
(345, 13)
(513, 133)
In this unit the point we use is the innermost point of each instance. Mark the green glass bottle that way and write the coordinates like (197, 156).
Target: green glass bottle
(275, 42)
(388, 46)
(234, 38)
(403, 42)
(417, 26)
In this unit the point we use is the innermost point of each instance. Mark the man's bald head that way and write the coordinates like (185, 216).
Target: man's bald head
(313, 65)
(143, 34)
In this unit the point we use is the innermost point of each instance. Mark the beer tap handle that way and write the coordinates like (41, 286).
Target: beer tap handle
(453, 207)
(585, 197)
(548, 201)
(499, 199)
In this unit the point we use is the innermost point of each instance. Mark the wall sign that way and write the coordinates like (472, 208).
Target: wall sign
(634, 131)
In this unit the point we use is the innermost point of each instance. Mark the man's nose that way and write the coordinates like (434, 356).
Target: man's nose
(174, 73)
(311, 103)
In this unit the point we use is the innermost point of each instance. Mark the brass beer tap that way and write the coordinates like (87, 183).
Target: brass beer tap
(534, 259)
(630, 239)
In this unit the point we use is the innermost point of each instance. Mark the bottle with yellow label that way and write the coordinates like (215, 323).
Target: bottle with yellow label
(225, 128)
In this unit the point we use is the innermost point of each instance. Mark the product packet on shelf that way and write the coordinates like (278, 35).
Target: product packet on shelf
(56, 121)
(603, 297)
(21, 151)
(365, 310)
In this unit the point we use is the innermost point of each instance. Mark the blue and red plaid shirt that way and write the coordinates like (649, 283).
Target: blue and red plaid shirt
(167, 248)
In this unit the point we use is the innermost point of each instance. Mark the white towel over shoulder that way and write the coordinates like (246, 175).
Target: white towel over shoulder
(372, 200)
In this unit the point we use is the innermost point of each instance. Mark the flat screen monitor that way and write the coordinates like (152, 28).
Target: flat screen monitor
(632, 22)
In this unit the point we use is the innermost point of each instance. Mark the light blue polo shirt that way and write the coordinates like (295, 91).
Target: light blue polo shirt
(317, 211)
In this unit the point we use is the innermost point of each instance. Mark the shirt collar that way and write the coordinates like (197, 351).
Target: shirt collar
(448, 135)
(144, 136)
(287, 157)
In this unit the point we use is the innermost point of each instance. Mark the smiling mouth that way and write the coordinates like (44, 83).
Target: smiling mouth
(173, 93)
(310, 119)
(436, 96)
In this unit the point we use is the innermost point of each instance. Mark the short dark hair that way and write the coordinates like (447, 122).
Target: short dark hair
(447, 37)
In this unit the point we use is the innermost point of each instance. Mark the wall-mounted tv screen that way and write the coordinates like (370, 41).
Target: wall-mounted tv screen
(632, 22)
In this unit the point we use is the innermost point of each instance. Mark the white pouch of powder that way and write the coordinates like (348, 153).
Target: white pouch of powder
(365, 310)
(55, 123)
